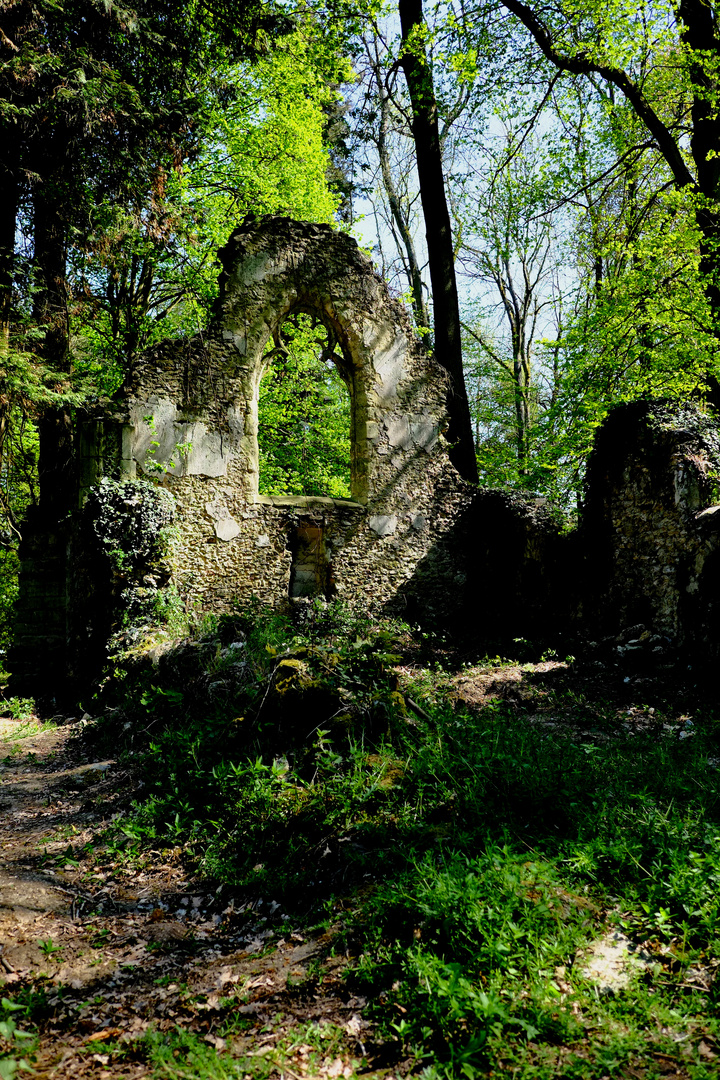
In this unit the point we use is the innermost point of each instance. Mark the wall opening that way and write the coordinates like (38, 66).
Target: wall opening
(304, 413)
(310, 570)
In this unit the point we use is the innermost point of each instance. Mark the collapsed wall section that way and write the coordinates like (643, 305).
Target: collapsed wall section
(651, 526)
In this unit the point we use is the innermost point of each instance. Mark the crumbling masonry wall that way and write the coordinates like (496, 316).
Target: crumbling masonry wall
(189, 420)
(650, 533)
(178, 448)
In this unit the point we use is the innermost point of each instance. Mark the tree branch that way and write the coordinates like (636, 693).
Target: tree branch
(581, 64)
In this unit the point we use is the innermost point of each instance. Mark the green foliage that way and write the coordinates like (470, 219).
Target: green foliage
(48, 947)
(19, 708)
(266, 153)
(172, 1054)
(604, 303)
(181, 150)
(487, 851)
(304, 417)
(464, 946)
(9, 569)
(585, 243)
(131, 519)
(474, 928)
(643, 334)
(14, 1041)
(22, 395)
(151, 270)
(99, 104)
(266, 734)
(129, 534)
(176, 1053)
(138, 141)
(513, 254)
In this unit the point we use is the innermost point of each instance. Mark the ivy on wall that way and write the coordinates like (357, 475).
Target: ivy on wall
(133, 520)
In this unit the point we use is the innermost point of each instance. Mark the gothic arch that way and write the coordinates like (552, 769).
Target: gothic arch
(279, 267)
(188, 419)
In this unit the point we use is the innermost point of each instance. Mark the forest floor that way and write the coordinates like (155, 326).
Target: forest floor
(105, 951)
(140, 966)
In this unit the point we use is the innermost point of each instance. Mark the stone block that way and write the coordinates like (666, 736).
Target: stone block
(383, 524)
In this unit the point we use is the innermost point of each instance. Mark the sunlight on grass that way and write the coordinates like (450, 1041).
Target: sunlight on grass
(478, 852)
(19, 721)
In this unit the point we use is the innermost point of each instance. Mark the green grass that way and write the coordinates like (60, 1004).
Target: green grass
(20, 709)
(465, 858)
(178, 1053)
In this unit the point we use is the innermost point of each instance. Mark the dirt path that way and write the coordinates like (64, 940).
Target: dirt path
(114, 954)
(104, 950)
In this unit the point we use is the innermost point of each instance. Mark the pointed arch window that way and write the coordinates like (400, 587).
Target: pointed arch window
(304, 412)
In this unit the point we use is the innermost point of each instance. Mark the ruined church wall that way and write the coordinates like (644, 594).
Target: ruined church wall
(651, 527)
(190, 423)
(414, 540)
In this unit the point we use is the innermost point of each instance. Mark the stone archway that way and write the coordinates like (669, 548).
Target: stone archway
(187, 420)
(279, 267)
(271, 270)
(192, 420)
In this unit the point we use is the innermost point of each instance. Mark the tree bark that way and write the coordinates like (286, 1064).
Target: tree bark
(50, 234)
(441, 258)
(700, 34)
(50, 307)
(9, 199)
(413, 269)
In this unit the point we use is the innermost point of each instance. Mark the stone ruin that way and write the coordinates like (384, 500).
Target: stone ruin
(175, 454)
(202, 394)
(650, 530)
(187, 422)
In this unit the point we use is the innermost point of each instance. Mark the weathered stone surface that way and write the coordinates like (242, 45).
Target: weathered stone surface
(651, 531)
(424, 431)
(226, 527)
(192, 417)
(414, 539)
(187, 419)
(383, 524)
(398, 432)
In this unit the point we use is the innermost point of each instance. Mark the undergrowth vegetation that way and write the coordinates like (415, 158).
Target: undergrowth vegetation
(15, 1042)
(464, 858)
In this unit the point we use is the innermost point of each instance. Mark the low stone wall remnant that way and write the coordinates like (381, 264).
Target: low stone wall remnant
(650, 532)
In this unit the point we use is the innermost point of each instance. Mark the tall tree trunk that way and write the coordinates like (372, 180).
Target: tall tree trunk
(413, 269)
(446, 310)
(521, 374)
(9, 199)
(700, 34)
(50, 229)
(399, 216)
(50, 309)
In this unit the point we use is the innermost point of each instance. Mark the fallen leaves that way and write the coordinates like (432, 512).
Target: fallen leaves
(104, 1034)
(137, 945)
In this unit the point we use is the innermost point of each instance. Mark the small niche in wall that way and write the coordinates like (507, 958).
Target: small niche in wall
(310, 570)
